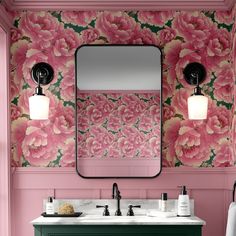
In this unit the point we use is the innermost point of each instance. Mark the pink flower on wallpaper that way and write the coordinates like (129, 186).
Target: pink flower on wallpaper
(218, 47)
(65, 43)
(145, 151)
(190, 148)
(117, 27)
(23, 100)
(67, 91)
(134, 104)
(113, 123)
(179, 101)
(127, 114)
(18, 130)
(144, 37)
(90, 35)
(102, 135)
(193, 26)
(15, 112)
(218, 121)
(83, 123)
(114, 152)
(68, 152)
(224, 17)
(158, 18)
(224, 156)
(155, 112)
(127, 148)
(171, 128)
(223, 85)
(134, 135)
(38, 147)
(155, 144)
(95, 148)
(39, 25)
(63, 122)
(95, 115)
(145, 124)
(15, 34)
(82, 18)
(106, 107)
(166, 35)
(167, 86)
(168, 112)
(19, 52)
(14, 89)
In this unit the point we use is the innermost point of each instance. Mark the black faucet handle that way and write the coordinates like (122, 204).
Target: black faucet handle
(106, 211)
(130, 209)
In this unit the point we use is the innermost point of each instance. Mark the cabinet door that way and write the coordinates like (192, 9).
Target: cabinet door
(120, 230)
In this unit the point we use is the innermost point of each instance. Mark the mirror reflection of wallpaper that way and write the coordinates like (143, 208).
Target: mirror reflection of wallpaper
(119, 125)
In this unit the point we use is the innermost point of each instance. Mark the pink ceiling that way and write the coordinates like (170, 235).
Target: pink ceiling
(120, 4)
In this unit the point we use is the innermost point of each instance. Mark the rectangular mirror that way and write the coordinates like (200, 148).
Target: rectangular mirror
(118, 111)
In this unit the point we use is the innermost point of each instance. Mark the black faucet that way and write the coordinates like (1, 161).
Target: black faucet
(116, 195)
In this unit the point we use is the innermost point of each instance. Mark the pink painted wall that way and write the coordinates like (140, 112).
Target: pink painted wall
(184, 37)
(209, 187)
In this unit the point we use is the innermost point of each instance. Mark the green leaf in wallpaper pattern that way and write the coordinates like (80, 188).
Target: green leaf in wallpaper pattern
(209, 14)
(179, 38)
(222, 103)
(153, 28)
(76, 28)
(69, 103)
(16, 22)
(25, 163)
(15, 100)
(57, 161)
(178, 163)
(57, 15)
(26, 38)
(168, 101)
(208, 163)
(179, 86)
(92, 23)
(169, 23)
(25, 86)
(179, 116)
(134, 15)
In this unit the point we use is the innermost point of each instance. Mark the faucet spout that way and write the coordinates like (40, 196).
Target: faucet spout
(116, 195)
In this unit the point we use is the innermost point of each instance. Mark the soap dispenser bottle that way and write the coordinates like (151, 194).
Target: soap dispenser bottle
(50, 206)
(183, 203)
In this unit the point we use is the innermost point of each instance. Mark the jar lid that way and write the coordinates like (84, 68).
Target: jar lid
(164, 196)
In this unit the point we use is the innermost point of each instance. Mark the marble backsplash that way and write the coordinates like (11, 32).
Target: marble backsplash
(88, 206)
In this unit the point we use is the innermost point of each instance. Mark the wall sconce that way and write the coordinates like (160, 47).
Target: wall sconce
(194, 74)
(42, 74)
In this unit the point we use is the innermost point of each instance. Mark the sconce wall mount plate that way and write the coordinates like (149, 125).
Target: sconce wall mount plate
(42, 73)
(194, 73)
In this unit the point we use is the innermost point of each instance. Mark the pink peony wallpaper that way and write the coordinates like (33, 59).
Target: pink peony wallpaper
(184, 37)
(119, 125)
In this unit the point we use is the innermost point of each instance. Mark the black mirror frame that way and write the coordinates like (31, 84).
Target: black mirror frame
(76, 116)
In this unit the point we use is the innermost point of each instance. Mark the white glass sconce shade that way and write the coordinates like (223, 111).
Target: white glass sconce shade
(42, 74)
(197, 107)
(39, 107)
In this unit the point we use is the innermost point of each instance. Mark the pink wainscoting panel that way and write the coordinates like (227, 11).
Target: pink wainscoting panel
(210, 188)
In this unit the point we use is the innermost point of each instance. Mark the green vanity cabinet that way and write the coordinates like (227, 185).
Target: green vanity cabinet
(118, 230)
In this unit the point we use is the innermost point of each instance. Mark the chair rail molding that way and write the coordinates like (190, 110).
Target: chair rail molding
(120, 5)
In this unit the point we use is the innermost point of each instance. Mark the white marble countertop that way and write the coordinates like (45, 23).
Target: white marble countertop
(118, 220)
